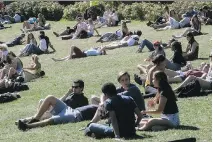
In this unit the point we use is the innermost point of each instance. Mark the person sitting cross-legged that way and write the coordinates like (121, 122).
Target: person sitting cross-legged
(52, 110)
(167, 106)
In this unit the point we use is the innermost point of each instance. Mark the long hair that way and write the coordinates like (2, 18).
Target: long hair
(196, 24)
(177, 47)
(28, 37)
(164, 86)
(192, 39)
(158, 59)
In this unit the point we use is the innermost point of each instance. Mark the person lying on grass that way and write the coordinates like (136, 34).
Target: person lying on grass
(122, 110)
(205, 81)
(167, 106)
(129, 40)
(77, 53)
(16, 41)
(72, 107)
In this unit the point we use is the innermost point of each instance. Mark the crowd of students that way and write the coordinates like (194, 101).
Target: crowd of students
(120, 104)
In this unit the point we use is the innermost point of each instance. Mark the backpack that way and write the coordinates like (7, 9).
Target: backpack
(8, 97)
(192, 89)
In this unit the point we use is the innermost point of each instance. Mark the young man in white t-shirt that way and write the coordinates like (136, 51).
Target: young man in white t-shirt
(130, 40)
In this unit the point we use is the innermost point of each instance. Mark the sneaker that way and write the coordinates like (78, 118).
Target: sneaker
(22, 126)
(138, 79)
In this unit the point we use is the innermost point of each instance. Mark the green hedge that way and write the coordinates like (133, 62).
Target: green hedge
(135, 11)
(50, 10)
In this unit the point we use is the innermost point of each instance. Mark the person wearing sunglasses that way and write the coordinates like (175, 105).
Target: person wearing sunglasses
(52, 110)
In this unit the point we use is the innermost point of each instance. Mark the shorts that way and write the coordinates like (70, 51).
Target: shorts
(173, 118)
(62, 113)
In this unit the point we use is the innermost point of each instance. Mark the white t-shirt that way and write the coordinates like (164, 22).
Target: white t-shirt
(17, 18)
(131, 41)
(43, 45)
(119, 33)
(92, 52)
(115, 16)
(90, 28)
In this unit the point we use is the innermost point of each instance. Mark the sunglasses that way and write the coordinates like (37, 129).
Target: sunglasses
(75, 86)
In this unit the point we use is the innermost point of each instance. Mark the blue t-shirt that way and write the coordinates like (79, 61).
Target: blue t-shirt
(135, 93)
(124, 107)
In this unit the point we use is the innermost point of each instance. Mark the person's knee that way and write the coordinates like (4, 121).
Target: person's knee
(50, 98)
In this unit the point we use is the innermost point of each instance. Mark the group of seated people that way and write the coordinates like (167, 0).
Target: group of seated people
(12, 68)
(192, 19)
(119, 106)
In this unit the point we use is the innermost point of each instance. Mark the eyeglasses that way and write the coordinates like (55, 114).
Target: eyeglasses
(75, 86)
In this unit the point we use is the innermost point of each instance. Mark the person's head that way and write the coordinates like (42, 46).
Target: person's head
(166, 9)
(40, 15)
(124, 79)
(158, 78)
(42, 33)
(190, 37)
(79, 19)
(191, 9)
(159, 61)
(172, 13)
(123, 25)
(205, 8)
(30, 36)
(177, 47)
(90, 22)
(41, 37)
(78, 86)
(22, 35)
(157, 45)
(109, 90)
(139, 33)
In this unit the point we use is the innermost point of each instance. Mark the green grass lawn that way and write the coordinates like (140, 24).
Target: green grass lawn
(95, 71)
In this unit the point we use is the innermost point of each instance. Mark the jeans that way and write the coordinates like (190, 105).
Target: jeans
(101, 130)
(172, 66)
(146, 43)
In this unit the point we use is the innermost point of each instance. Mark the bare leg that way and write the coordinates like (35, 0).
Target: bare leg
(46, 104)
(184, 33)
(155, 122)
(176, 79)
(61, 59)
(40, 123)
(11, 72)
(170, 73)
(95, 100)
(142, 69)
(97, 115)
(203, 83)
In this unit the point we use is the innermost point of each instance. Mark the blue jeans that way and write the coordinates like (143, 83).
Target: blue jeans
(172, 66)
(101, 130)
(146, 43)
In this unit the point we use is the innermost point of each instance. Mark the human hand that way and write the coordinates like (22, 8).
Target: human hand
(151, 103)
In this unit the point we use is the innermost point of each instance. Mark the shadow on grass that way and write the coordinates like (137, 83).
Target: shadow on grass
(184, 127)
(185, 140)
(203, 58)
(143, 136)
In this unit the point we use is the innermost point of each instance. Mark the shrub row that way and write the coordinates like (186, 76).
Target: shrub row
(135, 11)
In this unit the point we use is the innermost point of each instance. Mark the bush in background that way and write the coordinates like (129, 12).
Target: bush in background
(50, 10)
(133, 11)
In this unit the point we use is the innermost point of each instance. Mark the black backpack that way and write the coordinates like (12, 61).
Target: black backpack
(8, 97)
(190, 90)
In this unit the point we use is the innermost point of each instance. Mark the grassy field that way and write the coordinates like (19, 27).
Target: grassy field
(195, 113)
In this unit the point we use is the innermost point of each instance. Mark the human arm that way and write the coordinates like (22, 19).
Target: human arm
(193, 49)
(66, 95)
(161, 106)
(112, 115)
